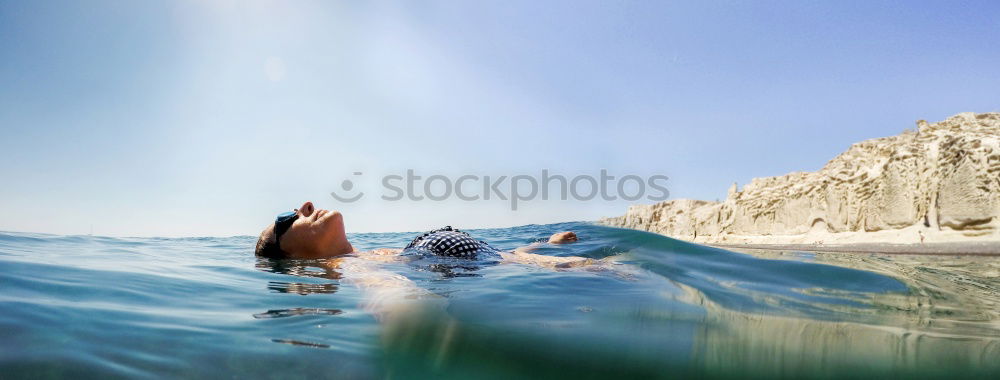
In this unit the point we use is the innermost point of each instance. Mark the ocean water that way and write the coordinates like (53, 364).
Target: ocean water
(653, 307)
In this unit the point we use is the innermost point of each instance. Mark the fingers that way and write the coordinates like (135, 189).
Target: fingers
(563, 237)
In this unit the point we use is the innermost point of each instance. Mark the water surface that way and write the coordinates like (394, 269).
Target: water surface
(654, 307)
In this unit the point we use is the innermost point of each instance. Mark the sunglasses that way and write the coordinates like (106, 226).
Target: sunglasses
(282, 223)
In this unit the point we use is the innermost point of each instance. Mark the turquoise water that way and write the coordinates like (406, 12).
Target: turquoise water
(653, 307)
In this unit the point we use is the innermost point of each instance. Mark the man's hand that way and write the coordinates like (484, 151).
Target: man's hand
(563, 237)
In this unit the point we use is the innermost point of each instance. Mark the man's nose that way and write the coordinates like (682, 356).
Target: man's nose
(306, 209)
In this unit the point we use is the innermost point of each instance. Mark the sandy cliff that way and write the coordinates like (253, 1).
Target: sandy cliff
(941, 181)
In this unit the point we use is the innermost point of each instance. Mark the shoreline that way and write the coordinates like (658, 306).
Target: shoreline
(982, 248)
(935, 184)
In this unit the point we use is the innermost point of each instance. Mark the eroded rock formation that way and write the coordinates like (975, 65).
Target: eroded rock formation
(940, 182)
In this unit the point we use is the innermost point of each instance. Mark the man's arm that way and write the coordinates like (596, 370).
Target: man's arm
(387, 295)
(523, 255)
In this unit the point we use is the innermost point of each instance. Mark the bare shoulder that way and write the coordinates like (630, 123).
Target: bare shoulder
(384, 251)
(381, 254)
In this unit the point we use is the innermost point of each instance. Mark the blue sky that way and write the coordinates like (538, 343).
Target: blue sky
(194, 118)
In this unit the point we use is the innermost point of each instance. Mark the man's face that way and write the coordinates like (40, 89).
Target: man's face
(315, 234)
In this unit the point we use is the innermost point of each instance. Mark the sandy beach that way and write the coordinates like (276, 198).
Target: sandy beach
(950, 249)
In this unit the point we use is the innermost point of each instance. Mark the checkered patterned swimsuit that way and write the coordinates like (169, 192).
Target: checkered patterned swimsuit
(451, 242)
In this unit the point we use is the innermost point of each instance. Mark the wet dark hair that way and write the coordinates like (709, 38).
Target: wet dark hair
(267, 245)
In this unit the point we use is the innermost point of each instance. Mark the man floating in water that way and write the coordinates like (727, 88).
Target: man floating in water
(310, 233)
